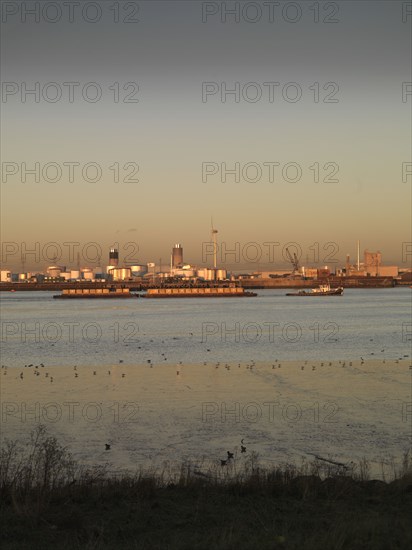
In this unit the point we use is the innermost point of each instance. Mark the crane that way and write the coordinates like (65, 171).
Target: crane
(293, 260)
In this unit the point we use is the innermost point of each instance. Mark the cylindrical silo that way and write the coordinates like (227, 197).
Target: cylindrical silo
(88, 274)
(138, 270)
(221, 274)
(54, 271)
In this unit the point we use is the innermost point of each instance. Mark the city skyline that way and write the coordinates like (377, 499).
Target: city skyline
(234, 256)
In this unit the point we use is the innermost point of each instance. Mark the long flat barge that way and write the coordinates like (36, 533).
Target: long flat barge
(201, 292)
(98, 293)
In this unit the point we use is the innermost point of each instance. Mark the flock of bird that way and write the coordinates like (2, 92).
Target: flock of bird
(230, 455)
(250, 366)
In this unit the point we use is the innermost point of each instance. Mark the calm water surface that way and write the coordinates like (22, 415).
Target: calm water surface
(373, 323)
(195, 412)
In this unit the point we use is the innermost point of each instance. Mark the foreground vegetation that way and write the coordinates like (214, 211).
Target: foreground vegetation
(49, 501)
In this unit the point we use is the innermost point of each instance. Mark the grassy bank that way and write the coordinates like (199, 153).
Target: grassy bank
(50, 501)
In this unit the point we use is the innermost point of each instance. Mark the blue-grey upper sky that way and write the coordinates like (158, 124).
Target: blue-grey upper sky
(138, 121)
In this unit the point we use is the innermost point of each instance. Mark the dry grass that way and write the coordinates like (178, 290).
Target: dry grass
(50, 501)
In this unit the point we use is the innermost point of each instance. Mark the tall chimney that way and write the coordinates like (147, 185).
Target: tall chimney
(114, 257)
(177, 256)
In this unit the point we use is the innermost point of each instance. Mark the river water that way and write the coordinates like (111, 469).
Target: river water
(179, 380)
(361, 323)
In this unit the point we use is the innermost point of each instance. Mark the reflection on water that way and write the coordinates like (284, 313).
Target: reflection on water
(361, 323)
(176, 380)
(151, 414)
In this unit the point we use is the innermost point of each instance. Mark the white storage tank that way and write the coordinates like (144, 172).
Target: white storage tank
(185, 272)
(221, 274)
(5, 276)
(205, 273)
(210, 275)
(87, 274)
(138, 270)
(121, 274)
(54, 271)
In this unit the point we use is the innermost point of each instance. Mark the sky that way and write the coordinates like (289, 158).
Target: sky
(285, 122)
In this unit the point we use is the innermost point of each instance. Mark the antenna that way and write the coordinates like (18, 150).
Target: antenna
(214, 233)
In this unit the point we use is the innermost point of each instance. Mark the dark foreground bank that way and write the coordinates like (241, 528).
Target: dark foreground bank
(48, 501)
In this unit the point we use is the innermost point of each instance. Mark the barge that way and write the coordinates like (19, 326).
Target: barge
(95, 293)
(198, 292)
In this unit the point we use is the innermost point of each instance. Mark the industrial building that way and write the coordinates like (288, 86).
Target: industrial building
(177, 256)
(5, 276)
(370, 267)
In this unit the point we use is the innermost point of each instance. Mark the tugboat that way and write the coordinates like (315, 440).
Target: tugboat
(323, 290)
